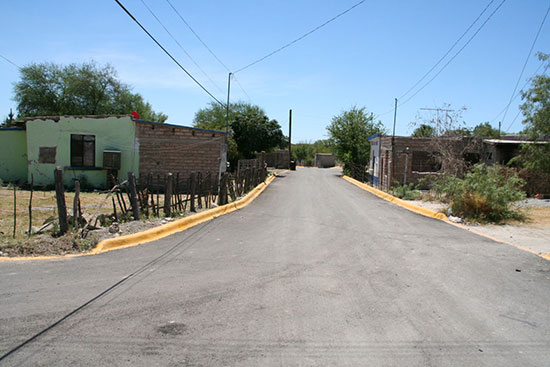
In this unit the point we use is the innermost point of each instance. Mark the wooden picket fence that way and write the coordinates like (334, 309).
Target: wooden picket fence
(165, 195)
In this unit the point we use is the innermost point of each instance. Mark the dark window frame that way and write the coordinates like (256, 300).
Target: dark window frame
(47, 155)
(82, 150)
(423, 161)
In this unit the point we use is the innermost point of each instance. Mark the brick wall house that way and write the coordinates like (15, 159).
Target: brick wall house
(165, 148)
(94, 148)
(407, 159)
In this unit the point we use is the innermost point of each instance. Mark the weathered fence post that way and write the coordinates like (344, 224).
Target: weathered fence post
(133, 195)
(168, 195)
(60, 198)
(14, 209)
(114, 208)
(30, 206)
(222, 197)
(262, 166)
(76, 214)
(193, 189)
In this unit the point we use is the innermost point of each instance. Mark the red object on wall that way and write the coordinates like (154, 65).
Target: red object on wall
(135, 115)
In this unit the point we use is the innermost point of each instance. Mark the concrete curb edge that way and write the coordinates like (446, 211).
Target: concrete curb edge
(433, 214)
(402, 203)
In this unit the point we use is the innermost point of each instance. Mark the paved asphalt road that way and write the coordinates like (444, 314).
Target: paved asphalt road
(315, 272)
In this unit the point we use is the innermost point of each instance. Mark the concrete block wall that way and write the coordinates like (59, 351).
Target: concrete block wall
(391, 171)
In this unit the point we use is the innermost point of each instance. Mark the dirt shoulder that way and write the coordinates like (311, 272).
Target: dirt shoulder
(533, 233)
(71, 243)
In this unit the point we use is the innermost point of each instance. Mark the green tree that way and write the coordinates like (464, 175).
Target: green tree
(213, 116)
(485, 130)
(349, 132)
(77, 89)
(322, 146)
(463, 131)
(423, 131)
(10, 121)
(303, 153)
(536, 110)
(254, 132)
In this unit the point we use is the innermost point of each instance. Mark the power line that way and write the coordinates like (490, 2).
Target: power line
(180, 46)
(456, 54)
(168, 53)
(524, 85)
(241, 87)
(11, 62)
(196, 35)
(448, 51)
(206, 46)
(300, 38)
(524, 65)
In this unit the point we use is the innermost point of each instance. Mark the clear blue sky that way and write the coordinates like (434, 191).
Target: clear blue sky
(367, 57)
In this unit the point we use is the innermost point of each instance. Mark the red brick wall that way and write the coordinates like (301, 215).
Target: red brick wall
(164, 149)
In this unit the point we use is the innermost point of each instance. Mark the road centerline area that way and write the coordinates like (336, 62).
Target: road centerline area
(314, 272)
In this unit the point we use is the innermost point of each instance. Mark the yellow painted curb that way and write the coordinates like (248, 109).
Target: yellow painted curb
(402, 203)
(159, 232)
(433, 214)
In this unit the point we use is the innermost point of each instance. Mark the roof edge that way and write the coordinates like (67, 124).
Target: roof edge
(180, 126)
(57, 118)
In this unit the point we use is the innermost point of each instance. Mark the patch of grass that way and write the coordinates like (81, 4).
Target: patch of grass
(44, 206)
(406, 192)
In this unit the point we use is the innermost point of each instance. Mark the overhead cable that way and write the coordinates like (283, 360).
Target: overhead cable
(524, 85)
(197, 36)
(448, 51)
(180, 46)
(523, 68)
(205, 45)
(300, 38)
(168, 53)
(11, 62)
(456, 54)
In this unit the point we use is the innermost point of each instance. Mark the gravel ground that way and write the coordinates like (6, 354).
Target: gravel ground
(532, 235)
(536, 203)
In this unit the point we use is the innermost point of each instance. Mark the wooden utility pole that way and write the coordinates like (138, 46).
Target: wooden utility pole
(289, 137)
(392, 170)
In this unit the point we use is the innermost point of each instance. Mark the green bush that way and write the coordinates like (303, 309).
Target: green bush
(406, 192)
(484, 194)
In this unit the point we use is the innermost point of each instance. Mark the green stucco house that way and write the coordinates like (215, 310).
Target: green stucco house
(95, 148)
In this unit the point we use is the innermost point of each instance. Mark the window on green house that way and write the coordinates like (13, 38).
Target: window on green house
(82, 150)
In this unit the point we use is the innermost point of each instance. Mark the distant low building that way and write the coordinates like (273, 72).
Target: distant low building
(324, 160)
(278, 159)
(95, 148)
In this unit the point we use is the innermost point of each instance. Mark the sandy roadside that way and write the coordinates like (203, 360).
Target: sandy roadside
(533, 234)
